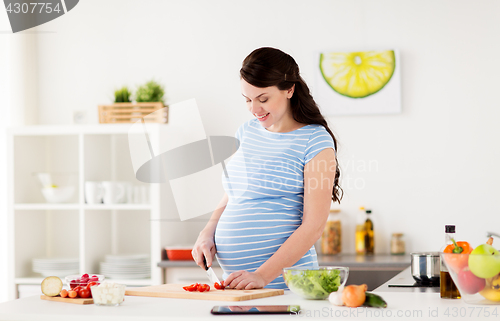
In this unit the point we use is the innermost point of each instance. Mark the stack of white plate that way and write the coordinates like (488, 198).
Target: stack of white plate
(136, 266)
(56, 267)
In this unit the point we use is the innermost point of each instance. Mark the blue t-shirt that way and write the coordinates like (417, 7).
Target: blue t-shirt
(265, 188)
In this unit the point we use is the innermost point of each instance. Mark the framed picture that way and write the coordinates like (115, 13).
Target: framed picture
(358, 82)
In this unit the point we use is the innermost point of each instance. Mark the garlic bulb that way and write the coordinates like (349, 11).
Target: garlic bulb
(335, 298)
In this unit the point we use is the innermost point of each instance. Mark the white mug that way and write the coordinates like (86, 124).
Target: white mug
(114, 192)
(93, 192)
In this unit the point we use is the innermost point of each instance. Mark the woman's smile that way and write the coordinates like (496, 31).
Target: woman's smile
(269, 105)
(262, 117)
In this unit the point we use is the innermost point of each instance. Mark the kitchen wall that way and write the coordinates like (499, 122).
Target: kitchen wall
(431, 165)
(18, 97)
(4, 98)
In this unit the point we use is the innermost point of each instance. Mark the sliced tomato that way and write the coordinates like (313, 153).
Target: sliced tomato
(219, 286)
(204, 288)
(191, 288)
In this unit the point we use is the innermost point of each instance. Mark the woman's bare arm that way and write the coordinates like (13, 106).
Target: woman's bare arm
(205, 246)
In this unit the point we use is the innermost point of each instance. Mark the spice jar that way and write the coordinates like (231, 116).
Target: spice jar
(331, 240)
(397, 244)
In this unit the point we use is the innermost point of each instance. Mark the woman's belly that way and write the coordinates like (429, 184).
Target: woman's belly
(245, 238)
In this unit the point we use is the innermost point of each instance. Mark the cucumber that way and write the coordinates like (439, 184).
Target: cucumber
(373, 300)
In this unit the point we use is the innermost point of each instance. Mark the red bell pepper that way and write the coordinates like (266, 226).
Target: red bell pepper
(459, 255)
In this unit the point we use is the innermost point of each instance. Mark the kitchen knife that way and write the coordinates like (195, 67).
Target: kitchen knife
(210, 273)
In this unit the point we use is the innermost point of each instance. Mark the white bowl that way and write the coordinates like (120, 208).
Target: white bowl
(108, 294)
(58, 194)
(473, 289)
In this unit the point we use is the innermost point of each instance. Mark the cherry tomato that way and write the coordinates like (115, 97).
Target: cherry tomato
(219, 286)
(191, 288)
(77, 289)
(64, 293)
(91, 284)
(203, 288)
(84, 293)
(72, 294)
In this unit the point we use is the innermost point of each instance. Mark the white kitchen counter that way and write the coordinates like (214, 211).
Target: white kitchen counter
(401, 306)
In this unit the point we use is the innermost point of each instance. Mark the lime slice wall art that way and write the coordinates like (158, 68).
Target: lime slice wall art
(358, 82)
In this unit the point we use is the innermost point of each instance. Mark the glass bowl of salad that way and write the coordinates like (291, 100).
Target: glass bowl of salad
(315, 283)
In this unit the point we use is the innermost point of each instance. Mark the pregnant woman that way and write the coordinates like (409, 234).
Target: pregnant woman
(280, 182)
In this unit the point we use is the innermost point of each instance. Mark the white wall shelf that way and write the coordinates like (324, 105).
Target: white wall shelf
(46, 206)
(49, 206)
(38, 280)
(88, 231)
(124, 207)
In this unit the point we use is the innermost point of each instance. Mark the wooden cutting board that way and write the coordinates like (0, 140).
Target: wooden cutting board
(176, 291)
(67, 300)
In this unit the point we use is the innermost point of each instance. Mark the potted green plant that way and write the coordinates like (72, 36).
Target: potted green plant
(149, 102)
(123, 95)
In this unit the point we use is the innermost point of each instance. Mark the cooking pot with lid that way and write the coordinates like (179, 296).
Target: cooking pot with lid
(425, 267)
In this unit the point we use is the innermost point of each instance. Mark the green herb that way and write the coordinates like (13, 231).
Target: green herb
(123, 95)
(314, 284)
(150, 92)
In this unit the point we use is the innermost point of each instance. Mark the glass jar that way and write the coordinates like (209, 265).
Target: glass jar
(397, 244)
(360, 236)
(331, 240)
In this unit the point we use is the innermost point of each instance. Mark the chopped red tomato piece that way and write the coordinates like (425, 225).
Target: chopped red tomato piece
(197, 287)
(204, 288)
(191, 288)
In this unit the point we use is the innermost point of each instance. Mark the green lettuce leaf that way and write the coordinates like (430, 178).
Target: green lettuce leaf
(314, 284)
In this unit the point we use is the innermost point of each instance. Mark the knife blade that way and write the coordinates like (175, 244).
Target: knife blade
(210, 273)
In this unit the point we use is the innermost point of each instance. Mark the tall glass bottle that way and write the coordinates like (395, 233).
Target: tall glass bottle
(448, 288)
(360, 234)
(369, 240)
(364, 233)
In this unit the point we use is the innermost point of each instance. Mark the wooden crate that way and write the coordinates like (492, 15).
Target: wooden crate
(132, 112)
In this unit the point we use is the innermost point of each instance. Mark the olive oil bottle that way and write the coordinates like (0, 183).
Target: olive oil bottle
(369, 240)
(447, 287)
(364, 236)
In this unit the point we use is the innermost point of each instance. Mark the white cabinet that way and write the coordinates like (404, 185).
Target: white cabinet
(75, 229)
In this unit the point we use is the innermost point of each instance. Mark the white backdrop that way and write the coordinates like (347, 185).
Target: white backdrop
(5, 110)
(18, 97)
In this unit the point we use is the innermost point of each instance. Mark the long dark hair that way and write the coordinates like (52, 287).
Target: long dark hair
(266, 67)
